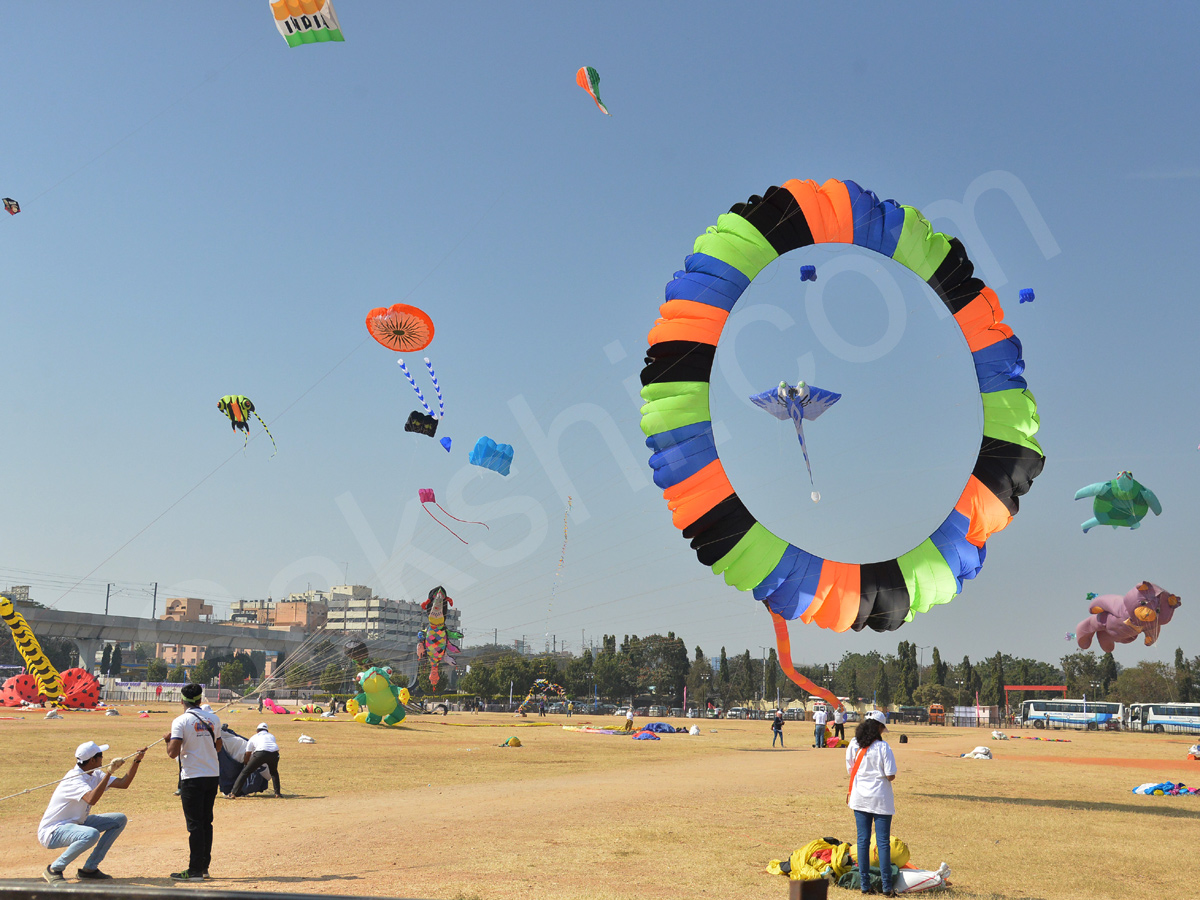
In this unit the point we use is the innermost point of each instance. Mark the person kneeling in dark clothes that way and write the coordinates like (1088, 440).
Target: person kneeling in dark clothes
(262, 749)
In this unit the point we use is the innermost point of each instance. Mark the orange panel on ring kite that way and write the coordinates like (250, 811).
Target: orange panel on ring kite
(402, 328)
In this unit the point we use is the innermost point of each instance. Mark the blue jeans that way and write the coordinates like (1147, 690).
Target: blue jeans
(77, 838)
(819, 735)
(883, 840)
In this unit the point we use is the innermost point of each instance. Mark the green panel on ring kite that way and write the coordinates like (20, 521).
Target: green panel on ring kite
(735, 241)
(723, 532)
(1012, 416)
(752, 558)
(927, 576)
(920, 248)
(672, 404)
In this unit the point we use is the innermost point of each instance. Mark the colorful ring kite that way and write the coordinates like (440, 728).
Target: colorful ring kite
(403, 328)
(676, 418)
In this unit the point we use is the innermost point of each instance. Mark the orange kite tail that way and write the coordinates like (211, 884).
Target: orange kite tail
(784, 644)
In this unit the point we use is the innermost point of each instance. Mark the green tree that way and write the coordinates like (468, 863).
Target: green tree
(232, 673)
(106, 659)
(940, 669)
(144, 651)
(1107, 674)
(615, 676)
(993, 686)
(723, 674)
(931, 692)
(1080, 670)
(883, 689)
(1183, 677)
(852, 685)
(479, 681)
(1145, 683)
(116, 664)
(966, 679)
(772, 680)
(663, 666)
(177, 675)
(156, 670)
(332, 678)
(699, 679)
(205, 671)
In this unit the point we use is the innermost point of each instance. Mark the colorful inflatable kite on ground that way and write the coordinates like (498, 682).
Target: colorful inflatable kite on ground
(11, 206)
(1119, 620)
(676, 419)
(541, 689)
(589, 79)
(796, 403)
(425, 495)
(49, 682)
(487, 454)
(238, 408)
(435, 641)
(1122, 502)
(379, 702)
(306, 21)
(271, 706)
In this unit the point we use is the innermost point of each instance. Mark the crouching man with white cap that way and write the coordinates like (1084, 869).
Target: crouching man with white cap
(68, 822)
(262, 749)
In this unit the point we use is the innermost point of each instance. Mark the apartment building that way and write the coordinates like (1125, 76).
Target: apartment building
(354, 607)
(183, 609)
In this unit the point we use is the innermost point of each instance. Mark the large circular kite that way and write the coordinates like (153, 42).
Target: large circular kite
(403, 328)
(676, 418)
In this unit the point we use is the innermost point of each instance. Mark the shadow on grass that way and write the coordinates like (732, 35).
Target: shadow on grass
(218, 881)
(1169, 812)
(768, 749)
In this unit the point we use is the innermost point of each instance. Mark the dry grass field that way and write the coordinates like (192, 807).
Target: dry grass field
(435, 810)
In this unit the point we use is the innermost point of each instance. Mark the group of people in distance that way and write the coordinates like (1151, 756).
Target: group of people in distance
(194, 740)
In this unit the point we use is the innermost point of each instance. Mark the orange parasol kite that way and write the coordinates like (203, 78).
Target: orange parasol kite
(400, 327)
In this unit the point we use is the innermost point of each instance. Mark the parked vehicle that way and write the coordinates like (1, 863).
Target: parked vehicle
(1177, 718)
(914, 714)
(676, 712)
(621, 711)
(937, 714)
(1088, 714)
(795, 714)
(657, 712)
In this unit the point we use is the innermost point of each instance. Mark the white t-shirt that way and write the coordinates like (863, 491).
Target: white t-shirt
(820, 717)
(871, 791)
(66, 803)
(629, 715)
(839, 717)
(198, 755)
(262, 740)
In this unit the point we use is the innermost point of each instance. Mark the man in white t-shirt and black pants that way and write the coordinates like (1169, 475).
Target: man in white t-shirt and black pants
(262, 749)
(68, 821)
(194, 740)
(820, 717)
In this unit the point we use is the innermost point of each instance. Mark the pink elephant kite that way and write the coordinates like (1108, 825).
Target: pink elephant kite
(1119, 620)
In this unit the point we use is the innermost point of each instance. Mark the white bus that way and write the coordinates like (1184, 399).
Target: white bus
(1177, 718)
(1072, 714)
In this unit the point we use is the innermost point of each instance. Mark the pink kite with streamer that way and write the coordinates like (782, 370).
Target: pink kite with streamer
(426, 496)
(271, 706)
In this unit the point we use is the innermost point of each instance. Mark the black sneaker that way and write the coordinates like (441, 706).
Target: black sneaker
(93, 874)
(185, 875)
(53, 877)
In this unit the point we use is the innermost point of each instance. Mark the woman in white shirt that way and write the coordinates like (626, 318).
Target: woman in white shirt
(872, 769)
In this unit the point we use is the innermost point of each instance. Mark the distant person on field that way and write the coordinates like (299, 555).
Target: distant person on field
(262, 749)
(777, 728)
(629, 719)
(872, 768)
(820, 717)
(839, 723)
(68, 821)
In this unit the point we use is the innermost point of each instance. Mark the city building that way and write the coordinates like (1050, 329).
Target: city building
(354, 607)
(251, 612)
(184, 609)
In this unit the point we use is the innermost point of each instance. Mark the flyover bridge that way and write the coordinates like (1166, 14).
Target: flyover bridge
(91, 632)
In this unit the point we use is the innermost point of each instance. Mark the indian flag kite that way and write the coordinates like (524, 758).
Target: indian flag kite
(306, 21)
(589, 79)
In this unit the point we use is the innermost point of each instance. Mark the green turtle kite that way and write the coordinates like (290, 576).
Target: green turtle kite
(1123, 501)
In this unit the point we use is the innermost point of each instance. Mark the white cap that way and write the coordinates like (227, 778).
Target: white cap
(262, 726)
(87, 750)
(879, 716)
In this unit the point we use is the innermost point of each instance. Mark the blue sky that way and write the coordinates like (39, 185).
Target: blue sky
(208, 212)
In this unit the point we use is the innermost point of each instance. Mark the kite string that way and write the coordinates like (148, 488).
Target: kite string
(457, 519)
(437, 387)
(562, 555)
(420, 396)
